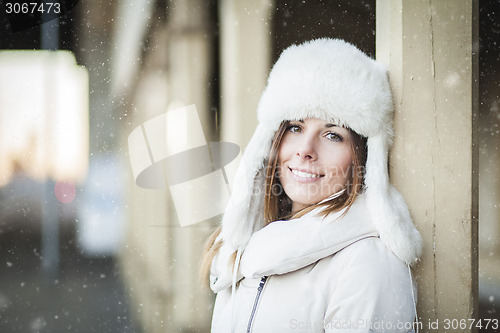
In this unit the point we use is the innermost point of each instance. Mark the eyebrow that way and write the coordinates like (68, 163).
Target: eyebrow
(326, 125)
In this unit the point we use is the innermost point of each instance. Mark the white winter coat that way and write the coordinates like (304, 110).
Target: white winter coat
(323, 275)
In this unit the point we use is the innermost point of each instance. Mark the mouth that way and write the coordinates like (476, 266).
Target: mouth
(305, 174)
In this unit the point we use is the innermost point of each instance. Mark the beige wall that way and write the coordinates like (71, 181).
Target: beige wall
(428, 48)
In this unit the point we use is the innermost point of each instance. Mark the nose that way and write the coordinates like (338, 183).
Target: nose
(306, 149)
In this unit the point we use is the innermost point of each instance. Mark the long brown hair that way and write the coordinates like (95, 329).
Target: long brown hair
(277, 205)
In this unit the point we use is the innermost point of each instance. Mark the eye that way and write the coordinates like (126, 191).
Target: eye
(334, 137)
(294, 128)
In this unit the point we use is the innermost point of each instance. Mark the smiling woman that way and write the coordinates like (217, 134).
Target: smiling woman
(332, 171)
(314, 159)
(314, 233)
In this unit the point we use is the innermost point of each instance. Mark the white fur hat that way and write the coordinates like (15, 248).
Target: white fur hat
(334, 81)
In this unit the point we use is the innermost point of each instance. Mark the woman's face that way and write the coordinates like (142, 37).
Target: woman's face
(314, 160)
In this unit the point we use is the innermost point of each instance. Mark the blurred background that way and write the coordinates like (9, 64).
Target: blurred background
(83, 248)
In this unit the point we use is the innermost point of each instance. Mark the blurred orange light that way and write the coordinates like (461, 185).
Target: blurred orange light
(43, 116)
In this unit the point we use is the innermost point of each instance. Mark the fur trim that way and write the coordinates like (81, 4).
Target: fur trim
(331, 80)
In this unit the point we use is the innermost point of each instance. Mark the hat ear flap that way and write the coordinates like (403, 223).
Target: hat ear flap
(244, 213)
(404, 238)
(387, 208)
(377, 175)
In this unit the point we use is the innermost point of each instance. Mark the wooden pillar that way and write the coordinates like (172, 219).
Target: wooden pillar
(245, 48)
(161, 259)
(190, 59)
(431, 51)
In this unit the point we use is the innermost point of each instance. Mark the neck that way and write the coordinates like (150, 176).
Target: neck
(296, 206)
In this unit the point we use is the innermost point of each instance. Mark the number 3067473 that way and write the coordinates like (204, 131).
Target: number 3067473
(32, 7)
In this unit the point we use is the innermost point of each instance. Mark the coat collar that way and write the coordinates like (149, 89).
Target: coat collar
(286, 246)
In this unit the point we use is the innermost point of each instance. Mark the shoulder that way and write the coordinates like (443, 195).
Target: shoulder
(369, 282)
(368, 268)
(370, 255)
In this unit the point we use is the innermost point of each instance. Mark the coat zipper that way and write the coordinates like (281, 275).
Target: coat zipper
(256, 302)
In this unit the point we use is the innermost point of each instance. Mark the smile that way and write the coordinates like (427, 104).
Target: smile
(304, 174)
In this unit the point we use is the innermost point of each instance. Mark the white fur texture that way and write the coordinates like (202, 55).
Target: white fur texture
(331, 80)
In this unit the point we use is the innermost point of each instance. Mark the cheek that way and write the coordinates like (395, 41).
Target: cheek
(284, 151)
(280, 163)
(342, 161)
(347, 160)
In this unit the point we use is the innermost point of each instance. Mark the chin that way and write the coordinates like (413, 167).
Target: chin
(305, 201)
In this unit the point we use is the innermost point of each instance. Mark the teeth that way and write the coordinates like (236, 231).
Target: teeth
(304, 174)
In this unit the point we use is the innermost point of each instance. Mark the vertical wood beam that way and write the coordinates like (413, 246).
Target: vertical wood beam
(245, 49)
(189, 54)
(430, 50)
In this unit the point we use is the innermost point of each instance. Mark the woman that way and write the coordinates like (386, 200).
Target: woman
(315, 238)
